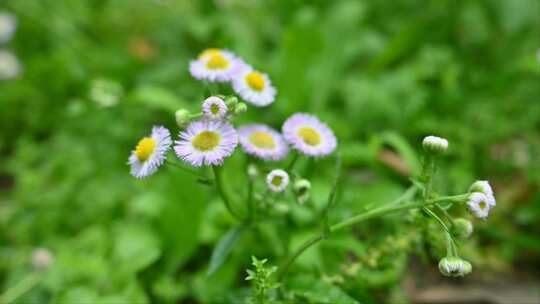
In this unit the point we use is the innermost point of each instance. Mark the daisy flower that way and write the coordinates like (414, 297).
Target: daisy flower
(478, 205)
(150, 152)
(277, 180)
(263, 142)
(307, 134)
(8, 24)
(254, 87)
(214, 108)
(485, 188)
(215, 65)
(206, 142)
(454, 267)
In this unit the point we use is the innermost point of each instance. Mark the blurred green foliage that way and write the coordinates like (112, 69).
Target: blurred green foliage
(383, 74)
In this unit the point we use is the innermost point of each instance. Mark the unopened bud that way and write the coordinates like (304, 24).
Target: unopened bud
(42, 259)
(252, 171)
(435, 145)
(240, 108)
(301, 189)
(463, 228)
(231, 101)
(182, 117)
(454, 267)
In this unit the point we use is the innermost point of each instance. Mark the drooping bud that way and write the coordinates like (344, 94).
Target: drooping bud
(463, 228)
(231, 101)
(182, 117)
(454, 267)
(301, 189)
(435, 145)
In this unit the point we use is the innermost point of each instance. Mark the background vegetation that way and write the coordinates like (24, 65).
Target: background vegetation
(383, 74)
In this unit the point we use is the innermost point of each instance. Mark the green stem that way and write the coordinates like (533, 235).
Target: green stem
(296, 155)
(385, 209)
(20, 288)
(188, 170)
(223, 193)
(251, 209)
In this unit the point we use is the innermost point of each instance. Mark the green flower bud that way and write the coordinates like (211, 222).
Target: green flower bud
(182, 117)
(463, 228)
(231, 101)
(454, 267)
(435, 145)
(240, 108)
(301, 188)
(252, 171)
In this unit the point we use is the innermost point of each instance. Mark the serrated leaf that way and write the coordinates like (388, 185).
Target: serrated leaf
(224, 247)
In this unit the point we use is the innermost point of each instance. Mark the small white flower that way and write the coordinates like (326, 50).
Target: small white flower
(215, 65)
(8, 24)
(9, 65)
(454, 267)
(478, 205)
(42, 259)
(277, 180)
(214, 108)
(434, 144)
(484, 187)
(150, 152)
(254, 87)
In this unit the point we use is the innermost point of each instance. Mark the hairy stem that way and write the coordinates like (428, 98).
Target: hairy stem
(223, 192)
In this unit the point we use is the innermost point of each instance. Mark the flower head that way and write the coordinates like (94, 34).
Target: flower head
(478, 205)
(254, 87)
(150, 152)
(454, 267)
(9, 65)
(435, 145)
(215, 65)
(8, 24)
(277, 180)
(206, 142)
(307, 134)
(214, 108)
(483, 186)
(263, 142)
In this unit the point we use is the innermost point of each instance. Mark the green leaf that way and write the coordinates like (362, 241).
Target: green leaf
(401, 145)
(224, 247)
(136, 247)
(315, 290)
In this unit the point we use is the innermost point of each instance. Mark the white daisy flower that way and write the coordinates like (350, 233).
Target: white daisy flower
(478, 205)
(454, 267)
(8, 24)
(434, 144)
(215, 65)
(150, 152)
(263, 142)
(277, 180)
(307, 134)
(214, 108)
(254, 87)
(9, 65)
(206, 142)
(483, 186)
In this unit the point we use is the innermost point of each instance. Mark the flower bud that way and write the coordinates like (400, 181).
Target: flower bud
(182, 117)
(301, 189)
(240, 108)
(454, 267)
(435, 145)
(463, 228)
(252, 171)
(484, 187)
(42, 259)
(231, 101)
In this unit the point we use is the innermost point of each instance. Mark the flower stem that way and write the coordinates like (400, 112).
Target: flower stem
(373, 213)
(296, 155)
(20, 288)
(223, 193)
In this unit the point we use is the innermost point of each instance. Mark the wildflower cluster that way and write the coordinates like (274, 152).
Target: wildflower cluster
(208, 137)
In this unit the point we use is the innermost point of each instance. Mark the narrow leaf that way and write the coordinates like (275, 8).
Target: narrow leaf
(224, 247)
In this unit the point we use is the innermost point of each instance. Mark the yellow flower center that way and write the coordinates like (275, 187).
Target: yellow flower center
(482, 205)
(310, 136)
(214, 108)
(262, 140)
(276, 180)
(209, 52)
(206, 140)
(255, 80)
(145, 148)
(217, 61)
